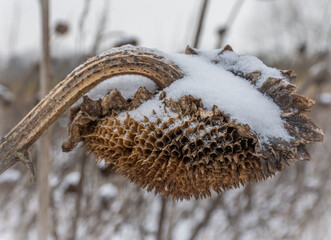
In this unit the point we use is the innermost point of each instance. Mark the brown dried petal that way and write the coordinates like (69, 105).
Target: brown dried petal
(93, 108)
(113, 100)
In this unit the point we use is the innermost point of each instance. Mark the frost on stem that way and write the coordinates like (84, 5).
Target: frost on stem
(230, 121)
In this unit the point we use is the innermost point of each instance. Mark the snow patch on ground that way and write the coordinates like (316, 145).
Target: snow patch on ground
(5, 94)
(325, 98)
(72, 179)
(9, 176)
(108, 191)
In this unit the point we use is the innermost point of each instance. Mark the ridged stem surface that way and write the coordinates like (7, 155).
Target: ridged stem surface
(121, 61)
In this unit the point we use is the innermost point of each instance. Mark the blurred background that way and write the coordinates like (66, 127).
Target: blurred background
(88, 201)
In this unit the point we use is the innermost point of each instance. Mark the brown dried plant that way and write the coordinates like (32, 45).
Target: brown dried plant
(186, 156)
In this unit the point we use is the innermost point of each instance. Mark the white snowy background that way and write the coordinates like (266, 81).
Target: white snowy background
(285, 33)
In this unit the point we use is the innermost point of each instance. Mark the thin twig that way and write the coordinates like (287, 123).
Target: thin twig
(201, 19)
(223, 31)
(44, 150)
(101, 28)
(78, 197)
(161, 218)
(53, 231)
(81, 23)
(205, 221)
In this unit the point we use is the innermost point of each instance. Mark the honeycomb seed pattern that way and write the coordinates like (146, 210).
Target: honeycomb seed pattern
(186, 156)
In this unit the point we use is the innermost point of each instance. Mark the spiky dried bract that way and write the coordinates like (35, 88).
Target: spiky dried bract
(194, 150)
(295, 113)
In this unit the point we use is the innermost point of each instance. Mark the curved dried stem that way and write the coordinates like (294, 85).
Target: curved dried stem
(120, 61)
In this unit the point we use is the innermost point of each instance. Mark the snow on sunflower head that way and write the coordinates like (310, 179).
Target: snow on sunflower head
(230, 120)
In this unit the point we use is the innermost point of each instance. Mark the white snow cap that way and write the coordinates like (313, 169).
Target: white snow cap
(127, 85)
(234, 62)
(215, 84)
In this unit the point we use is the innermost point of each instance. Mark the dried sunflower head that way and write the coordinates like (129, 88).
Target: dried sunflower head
(186, 147)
